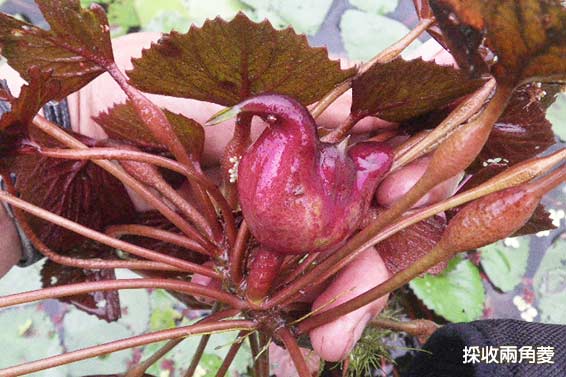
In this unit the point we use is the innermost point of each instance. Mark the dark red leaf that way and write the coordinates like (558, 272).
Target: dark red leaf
(76, 49)
(78, 190)
(406, 246)
(539, 221)
(528, 37)
(122, 122)
(402, 90)
(105, 305)
(14, 124)
(226, 62)
(521, 132)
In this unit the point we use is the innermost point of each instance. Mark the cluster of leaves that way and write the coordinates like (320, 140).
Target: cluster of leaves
(257, 58)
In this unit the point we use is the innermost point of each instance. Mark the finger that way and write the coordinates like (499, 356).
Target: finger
(335, 340)
(10, 248)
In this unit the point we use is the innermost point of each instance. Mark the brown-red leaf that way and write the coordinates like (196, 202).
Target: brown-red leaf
(78, 190)
(76, 49)
(226, 62)
(528, 37)
(122, 122)
(408, 245)
(400, 90)
(521, 132)
(105, 305)
(14, 124)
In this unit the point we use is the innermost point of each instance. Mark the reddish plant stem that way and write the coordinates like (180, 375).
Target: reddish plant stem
(160, 127)
(149, 175)
(296, 272)
(232, 153)
(112, 285)
(254, 347)
(458, 116)
(139, 370)
(88, 263)
(399, 279)
(480, 127)
(239, 254)
(135, 341)
(126, 179)
(163, 162)
(263, 359)
(214, 316)
(342, 130)
(118, 231)
(104, 239)
(294, 351)
(76, 262)
(203, 342)
(417, 327)
(231, 355)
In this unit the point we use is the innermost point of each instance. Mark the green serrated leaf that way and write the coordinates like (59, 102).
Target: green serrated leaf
(505, 262)
(376, 6)
(254, 59)
(365, 34)
(39, 339)
(556, 114)
(457, 293)
(550, 284)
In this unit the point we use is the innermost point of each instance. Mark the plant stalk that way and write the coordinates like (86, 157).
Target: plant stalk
(118, 345)
(118, 231)
(294, 351)
(104, 239)
(126, 179)
(112, 285)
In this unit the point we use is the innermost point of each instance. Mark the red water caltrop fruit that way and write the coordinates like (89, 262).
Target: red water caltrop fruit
(298, 194)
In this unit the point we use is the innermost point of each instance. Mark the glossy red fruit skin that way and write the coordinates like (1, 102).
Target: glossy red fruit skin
(300, 195)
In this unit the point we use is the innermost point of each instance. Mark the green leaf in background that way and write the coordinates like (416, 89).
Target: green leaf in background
(83, 330)
(163, 312)
(29, 333)
(305, 16)
(199, 10)
(556, 114)
(123, 13)
(218, 345)
(457, 293)
(365, 34)
(505, 262)
(550, 284)
(147, 10)
(375, 6)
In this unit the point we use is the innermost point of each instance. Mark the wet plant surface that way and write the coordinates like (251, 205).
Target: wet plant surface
(519, 277)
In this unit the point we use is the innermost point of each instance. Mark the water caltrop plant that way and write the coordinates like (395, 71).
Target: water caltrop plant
(302, 214)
